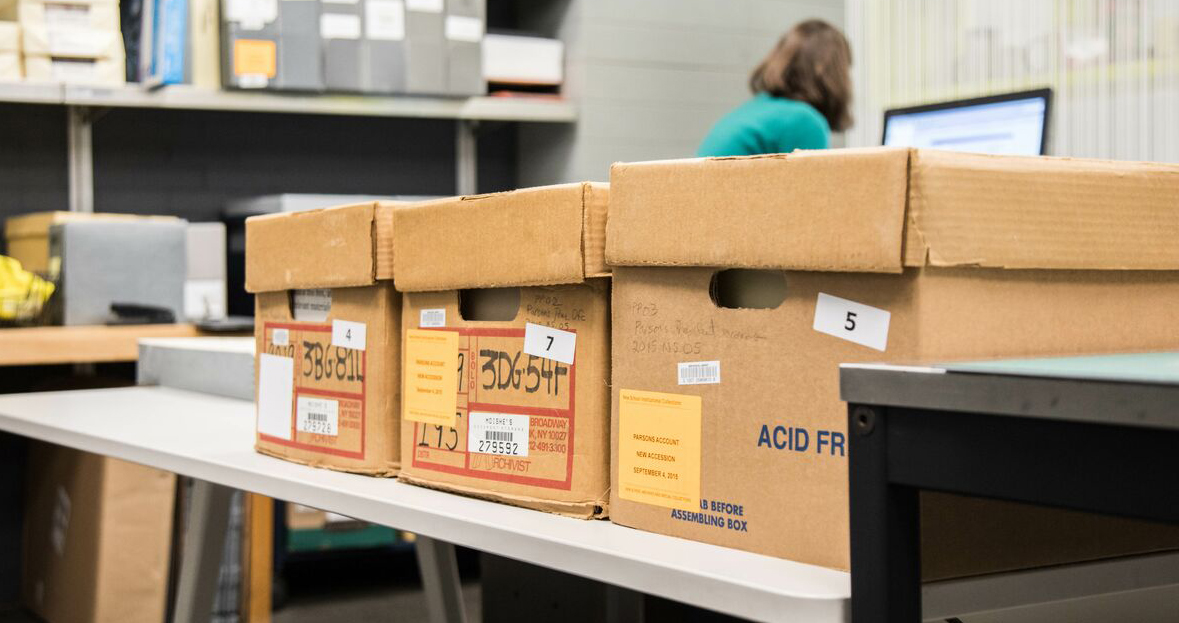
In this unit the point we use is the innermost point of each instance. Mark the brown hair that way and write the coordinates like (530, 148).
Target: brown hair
(810, 64)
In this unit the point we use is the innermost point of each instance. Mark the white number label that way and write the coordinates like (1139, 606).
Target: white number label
(317, 415)
(432, 318)
(550, 343)
(852, 321)
(348, 334)
(498, 433)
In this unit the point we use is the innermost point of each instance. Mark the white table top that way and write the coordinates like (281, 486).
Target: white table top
(211, 438)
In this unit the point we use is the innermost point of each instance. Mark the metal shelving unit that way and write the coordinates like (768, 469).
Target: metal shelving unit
(82, 103)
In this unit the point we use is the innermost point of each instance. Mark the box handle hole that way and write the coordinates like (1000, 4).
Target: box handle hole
(747, 288)
(489, 304)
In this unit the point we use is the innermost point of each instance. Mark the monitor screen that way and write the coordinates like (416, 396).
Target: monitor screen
(1005, 124)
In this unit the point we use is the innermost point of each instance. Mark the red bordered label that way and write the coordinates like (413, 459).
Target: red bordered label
(496, 376)
(324, 371)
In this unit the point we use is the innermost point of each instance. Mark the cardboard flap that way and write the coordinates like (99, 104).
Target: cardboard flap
(839, 210)
(1037, 212)
(520, 238)
(383, 234)
(329, 248)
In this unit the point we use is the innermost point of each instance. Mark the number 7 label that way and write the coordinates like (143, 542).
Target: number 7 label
(550, 343)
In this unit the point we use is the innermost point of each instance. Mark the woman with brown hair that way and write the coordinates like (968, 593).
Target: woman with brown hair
(801, 92)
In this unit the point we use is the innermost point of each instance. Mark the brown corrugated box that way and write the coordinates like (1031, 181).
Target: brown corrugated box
(971, 256)
(27, 235)
(328, 337)
(97, 538)
(547, 243)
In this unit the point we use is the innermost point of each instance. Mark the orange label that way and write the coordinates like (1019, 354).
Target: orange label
(659, 448)
(254, 57)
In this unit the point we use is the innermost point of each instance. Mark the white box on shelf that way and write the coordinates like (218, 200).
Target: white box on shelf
(518, 59)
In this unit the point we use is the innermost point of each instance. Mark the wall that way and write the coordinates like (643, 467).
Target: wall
(1113, 66)
(650, 77)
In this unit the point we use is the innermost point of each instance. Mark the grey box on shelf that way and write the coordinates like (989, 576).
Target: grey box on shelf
(384, 46)
(425, 47)
(104, 262)
(300, 65)
(237, 37)
(341, 31)
(464, 30)
(223, 366)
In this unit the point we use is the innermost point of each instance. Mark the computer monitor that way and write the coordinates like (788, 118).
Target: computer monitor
(1013, 123)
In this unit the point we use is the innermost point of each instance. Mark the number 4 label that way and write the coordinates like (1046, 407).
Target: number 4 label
(852, 321)
(550, 343)
(348, 334)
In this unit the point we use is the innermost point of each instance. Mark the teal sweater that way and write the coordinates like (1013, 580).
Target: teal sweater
(767, 125)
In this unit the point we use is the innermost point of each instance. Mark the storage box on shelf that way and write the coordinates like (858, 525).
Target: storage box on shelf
(72, 41)
(11, 68)
(727, 423)
(510, 291)
(328, 337)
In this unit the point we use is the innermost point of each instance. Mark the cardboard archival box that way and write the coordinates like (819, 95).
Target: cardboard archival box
(727, 422)
(327, 329)
(97, 537)
(513, 409)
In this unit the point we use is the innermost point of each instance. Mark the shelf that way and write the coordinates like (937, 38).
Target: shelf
(211, 438)
(184, 97)
(81, 344)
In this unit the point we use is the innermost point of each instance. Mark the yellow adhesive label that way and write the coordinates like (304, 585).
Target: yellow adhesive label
(431, 376)
(659, 448)
(254, 57)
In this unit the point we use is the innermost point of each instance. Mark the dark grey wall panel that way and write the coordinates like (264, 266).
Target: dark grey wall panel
(189, 163)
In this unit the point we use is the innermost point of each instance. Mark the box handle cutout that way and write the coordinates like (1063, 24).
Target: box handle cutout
(489, 304)
(312, 305)
(747, 288)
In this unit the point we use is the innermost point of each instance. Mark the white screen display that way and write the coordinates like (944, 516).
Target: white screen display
(1015, 127)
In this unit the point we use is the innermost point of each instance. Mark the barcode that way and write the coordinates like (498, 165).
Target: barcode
(498, 435)
(699, 373)
(319, 417)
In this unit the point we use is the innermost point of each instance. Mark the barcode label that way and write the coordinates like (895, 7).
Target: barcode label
(504, 434)
(317, 415)
(432, 318)
(699, 373)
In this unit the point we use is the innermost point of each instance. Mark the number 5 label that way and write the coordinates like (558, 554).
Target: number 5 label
(852, 321)
(550, 343)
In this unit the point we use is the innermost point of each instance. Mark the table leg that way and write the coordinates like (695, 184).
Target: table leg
(440, 580)
(885, 544)
(204, 544)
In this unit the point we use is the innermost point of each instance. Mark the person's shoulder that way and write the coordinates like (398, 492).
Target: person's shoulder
(794, 112)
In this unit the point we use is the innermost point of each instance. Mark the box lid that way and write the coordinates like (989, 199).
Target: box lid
(534, 236)
(38, 223)
(880, 209)
(327, 248)
(1041, 212)
(809, 210)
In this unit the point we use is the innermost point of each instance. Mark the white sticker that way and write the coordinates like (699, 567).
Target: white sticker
(699, 373)
(276, 387)
(348, 334)
(425, 6)
(497, 433)
(251, 14)
(252, 81)
(460, 28)
(317, 415)
(433, 318)
(311, 305)
(280, 337)
(67, 16)
(852, 321)
(338, 26)
(384, 20)
(549, 343)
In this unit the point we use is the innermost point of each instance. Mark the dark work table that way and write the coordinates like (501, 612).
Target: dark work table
(1009, 430)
